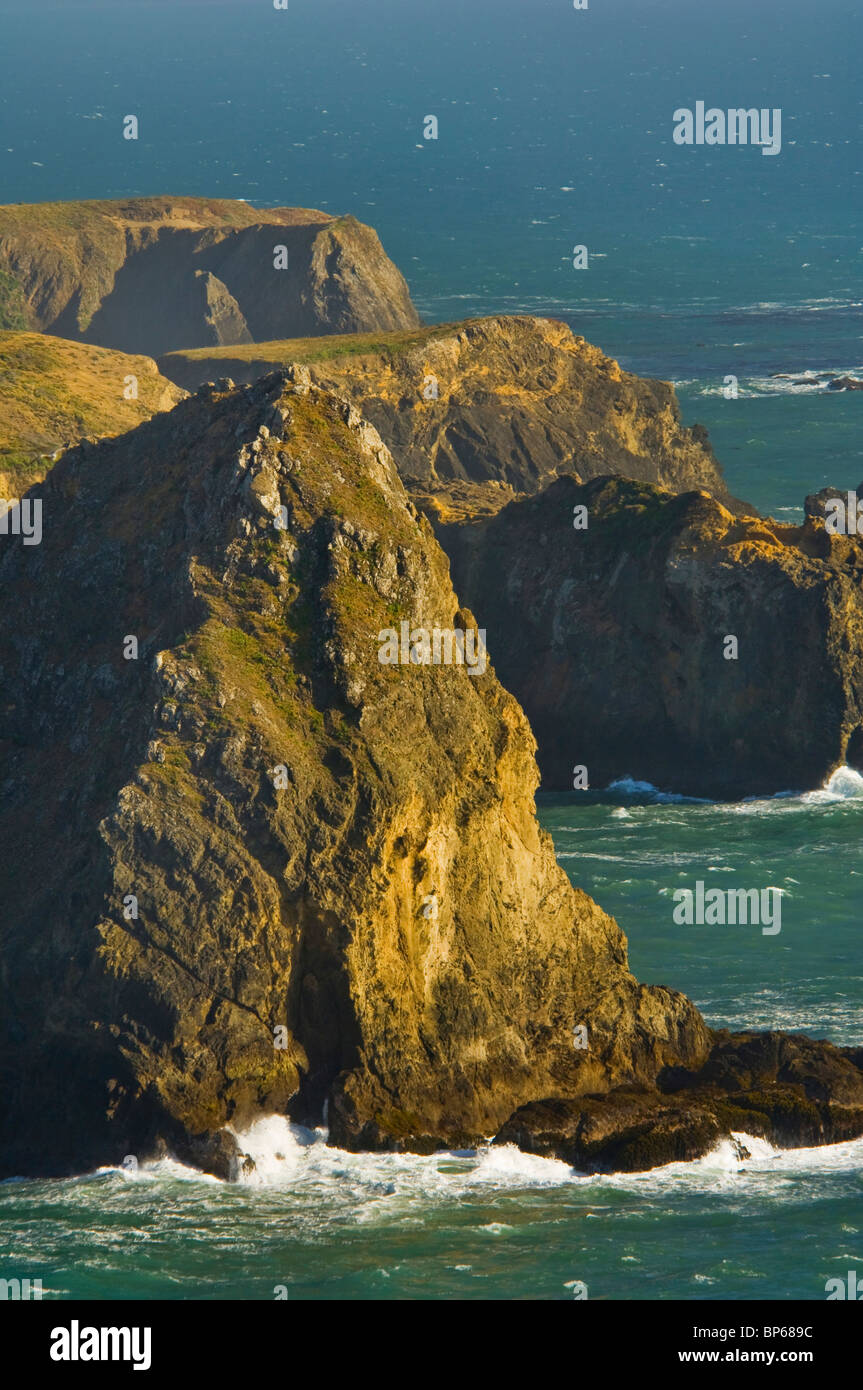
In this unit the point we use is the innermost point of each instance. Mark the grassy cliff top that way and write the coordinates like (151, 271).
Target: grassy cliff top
(333, 346)
(54, 392)
(179, 211)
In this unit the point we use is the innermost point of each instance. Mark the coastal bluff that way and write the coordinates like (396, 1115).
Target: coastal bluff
(251, 869)
(147, 275)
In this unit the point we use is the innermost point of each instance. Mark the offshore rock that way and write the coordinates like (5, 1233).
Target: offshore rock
(845, 383)
(249, 869)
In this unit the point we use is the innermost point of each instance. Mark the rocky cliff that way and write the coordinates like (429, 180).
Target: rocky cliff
(664, 638)
(477, 412)
(146, 275)
(794, 1091)
(54, 393)
(248, 867)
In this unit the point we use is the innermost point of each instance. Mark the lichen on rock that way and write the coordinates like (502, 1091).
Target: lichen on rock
(231, 840)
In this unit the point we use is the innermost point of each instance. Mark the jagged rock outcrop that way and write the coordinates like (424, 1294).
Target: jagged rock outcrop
(248, 868)
(793, 1091)
(617, 639)
(54, 393)
(477, 412)
(146, 275)
(822, 504)
(227, 825)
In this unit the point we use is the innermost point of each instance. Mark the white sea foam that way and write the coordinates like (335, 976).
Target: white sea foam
(807, 381)
(275, 1149)
(504, 1164)
(845, 784)
(160, 1168)
(372, 1185)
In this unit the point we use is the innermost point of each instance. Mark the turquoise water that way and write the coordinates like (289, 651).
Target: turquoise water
(501, 1227)
(500, 1224)
(631, 851)
(555, 131)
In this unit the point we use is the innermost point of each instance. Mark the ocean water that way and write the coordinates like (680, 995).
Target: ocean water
(496, 1225)
(319, 1223)
(555, 131)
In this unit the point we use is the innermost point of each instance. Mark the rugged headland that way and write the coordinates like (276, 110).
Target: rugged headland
(250, 868)
(477, 412)
(146, 275)
(313, 840)
(610, 607)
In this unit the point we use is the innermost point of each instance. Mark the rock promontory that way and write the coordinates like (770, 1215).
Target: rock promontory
(250, 868)
(146, 275)
(478, 412)
(666, 639)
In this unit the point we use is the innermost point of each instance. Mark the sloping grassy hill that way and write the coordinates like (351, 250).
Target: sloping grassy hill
(54, 393)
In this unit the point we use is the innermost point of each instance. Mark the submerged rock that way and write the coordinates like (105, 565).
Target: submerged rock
(845, 383)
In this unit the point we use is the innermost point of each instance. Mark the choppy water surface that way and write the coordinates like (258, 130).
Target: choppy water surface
(324, 1224)
(555, 130)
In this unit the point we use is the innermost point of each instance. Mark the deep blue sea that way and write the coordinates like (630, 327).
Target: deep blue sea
(555, 130)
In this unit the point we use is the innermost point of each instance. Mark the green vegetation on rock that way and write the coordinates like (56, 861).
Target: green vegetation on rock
(13, 313)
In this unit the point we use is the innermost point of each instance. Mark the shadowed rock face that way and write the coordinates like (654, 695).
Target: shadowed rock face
(257, 826)
(614, 638)
(479, 411)
(793, 1091)
(256, 833)
(151, 274)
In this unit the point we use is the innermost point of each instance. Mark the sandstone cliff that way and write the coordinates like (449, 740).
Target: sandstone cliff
(54, 393)
(254, 832)
(477, 412)
(614, 638)
(146, 275)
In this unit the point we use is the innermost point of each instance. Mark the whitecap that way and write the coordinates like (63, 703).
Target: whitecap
(629, 786)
